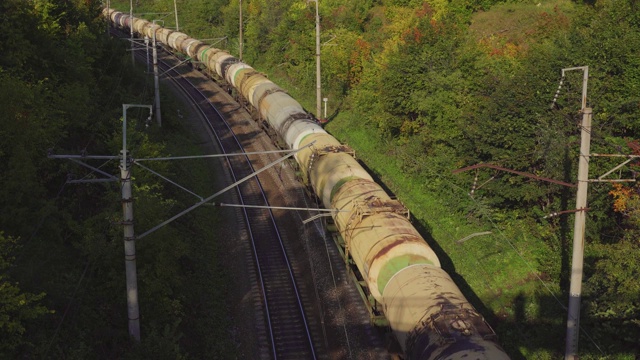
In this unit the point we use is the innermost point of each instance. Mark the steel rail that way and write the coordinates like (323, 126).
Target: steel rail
(252, 236)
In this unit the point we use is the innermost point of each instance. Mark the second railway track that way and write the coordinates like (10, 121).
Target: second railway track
(318, 314)
(287, 331)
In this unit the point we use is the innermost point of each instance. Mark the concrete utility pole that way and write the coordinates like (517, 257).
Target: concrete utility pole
(240, 42)
(175, 9)
(133, 60)
(146, 46)
(318, 77)
(133, 311)
(575, 290)
(156, 79)
(109, 19)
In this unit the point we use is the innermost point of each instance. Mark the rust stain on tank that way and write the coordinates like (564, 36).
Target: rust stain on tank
(402, 240)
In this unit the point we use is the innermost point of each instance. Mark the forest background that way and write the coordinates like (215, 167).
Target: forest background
(418, 88)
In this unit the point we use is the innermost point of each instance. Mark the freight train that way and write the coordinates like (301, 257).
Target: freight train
(426, 311)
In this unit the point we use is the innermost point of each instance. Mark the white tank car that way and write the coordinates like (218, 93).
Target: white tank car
(426, 310)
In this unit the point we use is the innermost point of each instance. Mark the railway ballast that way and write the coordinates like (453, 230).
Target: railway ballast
(428, 314)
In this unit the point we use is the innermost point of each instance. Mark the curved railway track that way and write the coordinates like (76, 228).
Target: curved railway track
(337, 322)
(287, 334)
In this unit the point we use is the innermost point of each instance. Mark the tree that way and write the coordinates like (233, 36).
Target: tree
(16, 307)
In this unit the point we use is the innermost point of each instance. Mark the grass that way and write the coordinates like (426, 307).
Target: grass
(498, 273)
(509, 28)
(494, 271)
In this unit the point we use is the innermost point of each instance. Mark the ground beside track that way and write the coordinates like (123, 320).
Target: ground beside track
(330, 298)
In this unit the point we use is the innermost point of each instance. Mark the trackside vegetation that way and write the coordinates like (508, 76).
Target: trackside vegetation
(418, 88)
(62, 283)
(422, 88)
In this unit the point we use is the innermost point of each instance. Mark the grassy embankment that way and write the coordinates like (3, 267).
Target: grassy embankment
(497, 272)
(494, 271)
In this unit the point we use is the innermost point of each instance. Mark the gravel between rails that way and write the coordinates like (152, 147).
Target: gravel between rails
(341, 322)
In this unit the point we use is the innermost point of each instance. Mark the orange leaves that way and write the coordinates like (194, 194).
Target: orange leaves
(425, 10)
(417, 35)
(508, 49)
(627, 198)
(360, 54)
(549, 22)
(621, 195)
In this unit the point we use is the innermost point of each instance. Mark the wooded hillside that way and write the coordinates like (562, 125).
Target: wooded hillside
(63, 82)
(418, 88)
(421, 88)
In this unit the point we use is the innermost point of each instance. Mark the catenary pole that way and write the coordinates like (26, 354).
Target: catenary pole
(318, 77)
(133, 60)
(146, 45)
(156, 79)
(577, 260)
(175, 9)
(240, 41)
(108, 17)
(133, 311)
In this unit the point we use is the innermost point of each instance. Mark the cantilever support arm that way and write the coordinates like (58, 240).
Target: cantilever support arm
(514, 172)
(202, 202)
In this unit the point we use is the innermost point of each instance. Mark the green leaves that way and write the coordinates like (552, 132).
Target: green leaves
(613, 291)
(16, 307)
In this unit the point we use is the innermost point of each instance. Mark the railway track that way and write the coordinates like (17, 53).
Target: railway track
(337, 323)
(286, 333)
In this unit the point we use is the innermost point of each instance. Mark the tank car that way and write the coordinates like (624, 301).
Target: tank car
(426, 311)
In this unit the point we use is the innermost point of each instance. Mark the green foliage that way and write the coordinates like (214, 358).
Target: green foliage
(440, 87)
(62, 88)
(420, 88)
(16, 306)
(613, 292)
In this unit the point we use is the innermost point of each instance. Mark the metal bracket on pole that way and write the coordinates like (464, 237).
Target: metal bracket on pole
(140, 42)
(477, 166)
(75, 158)
(323, 212)
(200, 203)
(173, 67)
(472, 236)
(601, 178)
(318, 216)
(137, 162)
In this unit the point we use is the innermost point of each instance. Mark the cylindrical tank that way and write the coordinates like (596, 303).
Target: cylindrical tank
(163, 35)
(246, 80)
(232, 72)
(189, 44)
(175, 40)
(220, 59)
(427, 312)
(138, 25)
